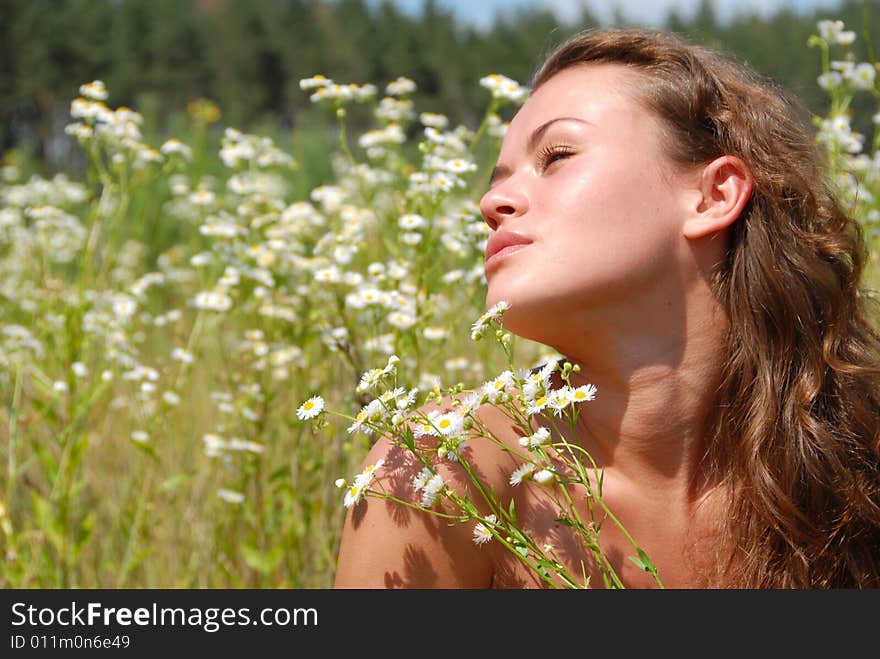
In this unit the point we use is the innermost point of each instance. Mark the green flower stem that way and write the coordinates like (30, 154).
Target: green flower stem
(343, 135)
(462, 519)
(191, 343)
(609, 574)
(143, 499)
(866, 22)
(652, 570)
(484, 124)
(390, 497)
(14, 410)
(108, 256)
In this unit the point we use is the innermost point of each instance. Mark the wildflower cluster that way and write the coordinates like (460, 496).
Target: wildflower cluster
(855, 157)
(118, 131)
(200, 351)
(433, 436)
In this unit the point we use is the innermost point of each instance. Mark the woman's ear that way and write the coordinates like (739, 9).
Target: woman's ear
(725, 187)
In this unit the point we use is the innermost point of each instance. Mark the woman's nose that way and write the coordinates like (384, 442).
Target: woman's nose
(502, 202)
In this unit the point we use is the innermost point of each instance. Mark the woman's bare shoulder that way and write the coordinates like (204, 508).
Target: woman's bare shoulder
(388, 544)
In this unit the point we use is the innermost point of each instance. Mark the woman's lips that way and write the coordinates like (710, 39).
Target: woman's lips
(502, 244)
(495, 259)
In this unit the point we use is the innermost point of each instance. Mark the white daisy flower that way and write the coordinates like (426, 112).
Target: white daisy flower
(174, 146)
(360, 484)
(369, 379)
(433, 333)
(494, 389)
(456, 364)
(539, 438)
(212, 300)
(343, 253)
(495, 313)
(431, 490)
(544, 476)
(368, 412)
(202, 198)
(421, 479)
(230, 496)
(124, 305)
(434, 120)
(503, 87)
(400, 86)
(412, 222)
(548, 368)
(401, 320)
(393, 394)
(559, 399)
(482, 534)
(181, 355)
(521, 473)
(328, 275)
(470, 404)
(315, 81)
(311, 408)
(584, 393)
(534, 406)
(459, 166)
(95, 90)
(405, 403)
(449, 424)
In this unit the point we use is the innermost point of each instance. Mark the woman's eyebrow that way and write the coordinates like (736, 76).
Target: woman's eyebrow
(538, 133)
(501, 171)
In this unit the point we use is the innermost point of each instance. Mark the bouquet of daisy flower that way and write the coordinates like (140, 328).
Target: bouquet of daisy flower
(529, 399)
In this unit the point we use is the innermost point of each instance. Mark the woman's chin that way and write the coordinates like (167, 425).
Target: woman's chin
(528, 322)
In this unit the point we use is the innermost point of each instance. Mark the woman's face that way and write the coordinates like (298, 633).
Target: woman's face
(585, 189)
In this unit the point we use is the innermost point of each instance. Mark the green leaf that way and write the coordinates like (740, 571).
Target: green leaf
(83, 535)
(171, 484)
(48, 523)
(263, 563)
(643, 561)
(147, 448)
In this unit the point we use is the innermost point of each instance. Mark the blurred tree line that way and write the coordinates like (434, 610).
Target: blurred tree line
(249, 55)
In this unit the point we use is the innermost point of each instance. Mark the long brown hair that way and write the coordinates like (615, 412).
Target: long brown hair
(795, 432)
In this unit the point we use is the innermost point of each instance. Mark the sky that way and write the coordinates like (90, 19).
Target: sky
(647, 13)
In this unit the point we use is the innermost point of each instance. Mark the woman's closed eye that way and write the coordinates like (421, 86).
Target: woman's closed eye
(551, 154)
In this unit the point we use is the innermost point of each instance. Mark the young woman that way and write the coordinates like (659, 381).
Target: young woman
(660, 217)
